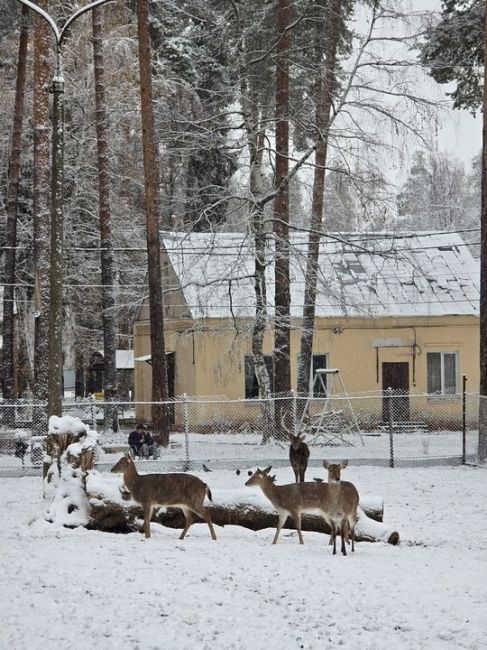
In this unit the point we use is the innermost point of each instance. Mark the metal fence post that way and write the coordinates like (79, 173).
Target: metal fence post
(93, 412)
(186, 430)
(391, 427)
(293, 412)
(464, 419)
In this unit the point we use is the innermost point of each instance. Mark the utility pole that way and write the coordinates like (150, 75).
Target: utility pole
(55, 356)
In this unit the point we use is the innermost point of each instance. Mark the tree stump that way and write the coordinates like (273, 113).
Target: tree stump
(71, 445)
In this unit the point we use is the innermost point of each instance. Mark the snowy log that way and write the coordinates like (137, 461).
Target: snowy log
(369, 528)
(110, 511)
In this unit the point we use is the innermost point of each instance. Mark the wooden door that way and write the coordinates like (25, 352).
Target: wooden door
(395, 376)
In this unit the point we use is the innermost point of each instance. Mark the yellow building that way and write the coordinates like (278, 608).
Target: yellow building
(392, 311)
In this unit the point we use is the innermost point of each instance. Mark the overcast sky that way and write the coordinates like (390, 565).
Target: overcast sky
(461, 133)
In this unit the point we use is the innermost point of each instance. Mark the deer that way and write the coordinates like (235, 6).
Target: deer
(298, 453)
(178, 490)
(292, 499)
(344, 499)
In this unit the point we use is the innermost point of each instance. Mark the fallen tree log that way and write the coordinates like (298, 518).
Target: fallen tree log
(119, 515)
(256, 518)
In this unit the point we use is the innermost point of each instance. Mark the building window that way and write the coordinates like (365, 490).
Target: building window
(320, 382)
(251, 385)
(442, 373)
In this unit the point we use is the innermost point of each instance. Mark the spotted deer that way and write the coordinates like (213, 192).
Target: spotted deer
(169, 490)
(293, 499)
(343, 502)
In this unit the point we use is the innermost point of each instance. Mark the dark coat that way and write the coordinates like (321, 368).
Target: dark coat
(136, 440)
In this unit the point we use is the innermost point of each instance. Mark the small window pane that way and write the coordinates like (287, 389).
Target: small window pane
(442, 373)
(434, 372)
(251, 385)
(450, 373)
(320, 383)
(251, 388)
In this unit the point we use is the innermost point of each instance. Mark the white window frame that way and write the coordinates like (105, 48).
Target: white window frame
(442, 393)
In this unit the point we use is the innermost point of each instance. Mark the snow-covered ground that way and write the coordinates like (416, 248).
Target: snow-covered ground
(70, 589)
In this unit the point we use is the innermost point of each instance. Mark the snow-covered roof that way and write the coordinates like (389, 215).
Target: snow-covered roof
(375, 274)
(124, 359)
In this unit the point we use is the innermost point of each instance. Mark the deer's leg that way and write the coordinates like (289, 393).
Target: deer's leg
(343, 532)
(205, 515)
(352, 534)
(297, 520)
(282, 518)
(147, 517)
(188, 517)
(333, 537)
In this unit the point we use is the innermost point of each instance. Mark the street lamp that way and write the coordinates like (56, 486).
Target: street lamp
(55, 361)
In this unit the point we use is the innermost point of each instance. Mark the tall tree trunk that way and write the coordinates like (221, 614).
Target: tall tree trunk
(282, 332)
(255, 144)
(482, 449)
(8, 365)
(107, 297)
(151, 175)
(56, 257)
(324, 95)
(41, 216)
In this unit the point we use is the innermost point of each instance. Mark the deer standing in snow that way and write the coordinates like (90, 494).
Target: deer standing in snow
(344, 499)
(169, 490)
(298, 456)
(292, 499)
(298, 453)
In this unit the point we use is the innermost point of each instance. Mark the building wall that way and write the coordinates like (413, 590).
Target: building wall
(210, 359)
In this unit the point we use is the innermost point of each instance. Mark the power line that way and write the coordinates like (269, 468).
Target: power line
(354, 237)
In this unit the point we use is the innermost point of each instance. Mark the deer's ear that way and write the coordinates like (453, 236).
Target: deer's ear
(343, 464)
(326, 464)
(267, 469)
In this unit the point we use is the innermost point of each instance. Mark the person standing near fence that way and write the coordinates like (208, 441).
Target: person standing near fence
(142, 443)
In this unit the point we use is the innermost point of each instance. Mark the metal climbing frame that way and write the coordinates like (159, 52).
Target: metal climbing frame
(326, 428)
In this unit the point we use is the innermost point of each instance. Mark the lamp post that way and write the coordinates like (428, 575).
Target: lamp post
(55, 356)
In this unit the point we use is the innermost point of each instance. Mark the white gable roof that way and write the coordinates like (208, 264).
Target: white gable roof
(377, 274)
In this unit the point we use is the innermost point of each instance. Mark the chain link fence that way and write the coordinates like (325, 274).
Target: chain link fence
(390, 428)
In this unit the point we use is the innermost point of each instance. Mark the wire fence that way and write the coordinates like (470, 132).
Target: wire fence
(390, 428)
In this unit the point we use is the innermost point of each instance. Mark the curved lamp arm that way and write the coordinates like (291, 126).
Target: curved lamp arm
(60, 34)
(46, 16)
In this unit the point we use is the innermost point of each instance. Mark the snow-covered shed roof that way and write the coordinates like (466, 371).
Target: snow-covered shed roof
(124, 359)
(375, 274)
